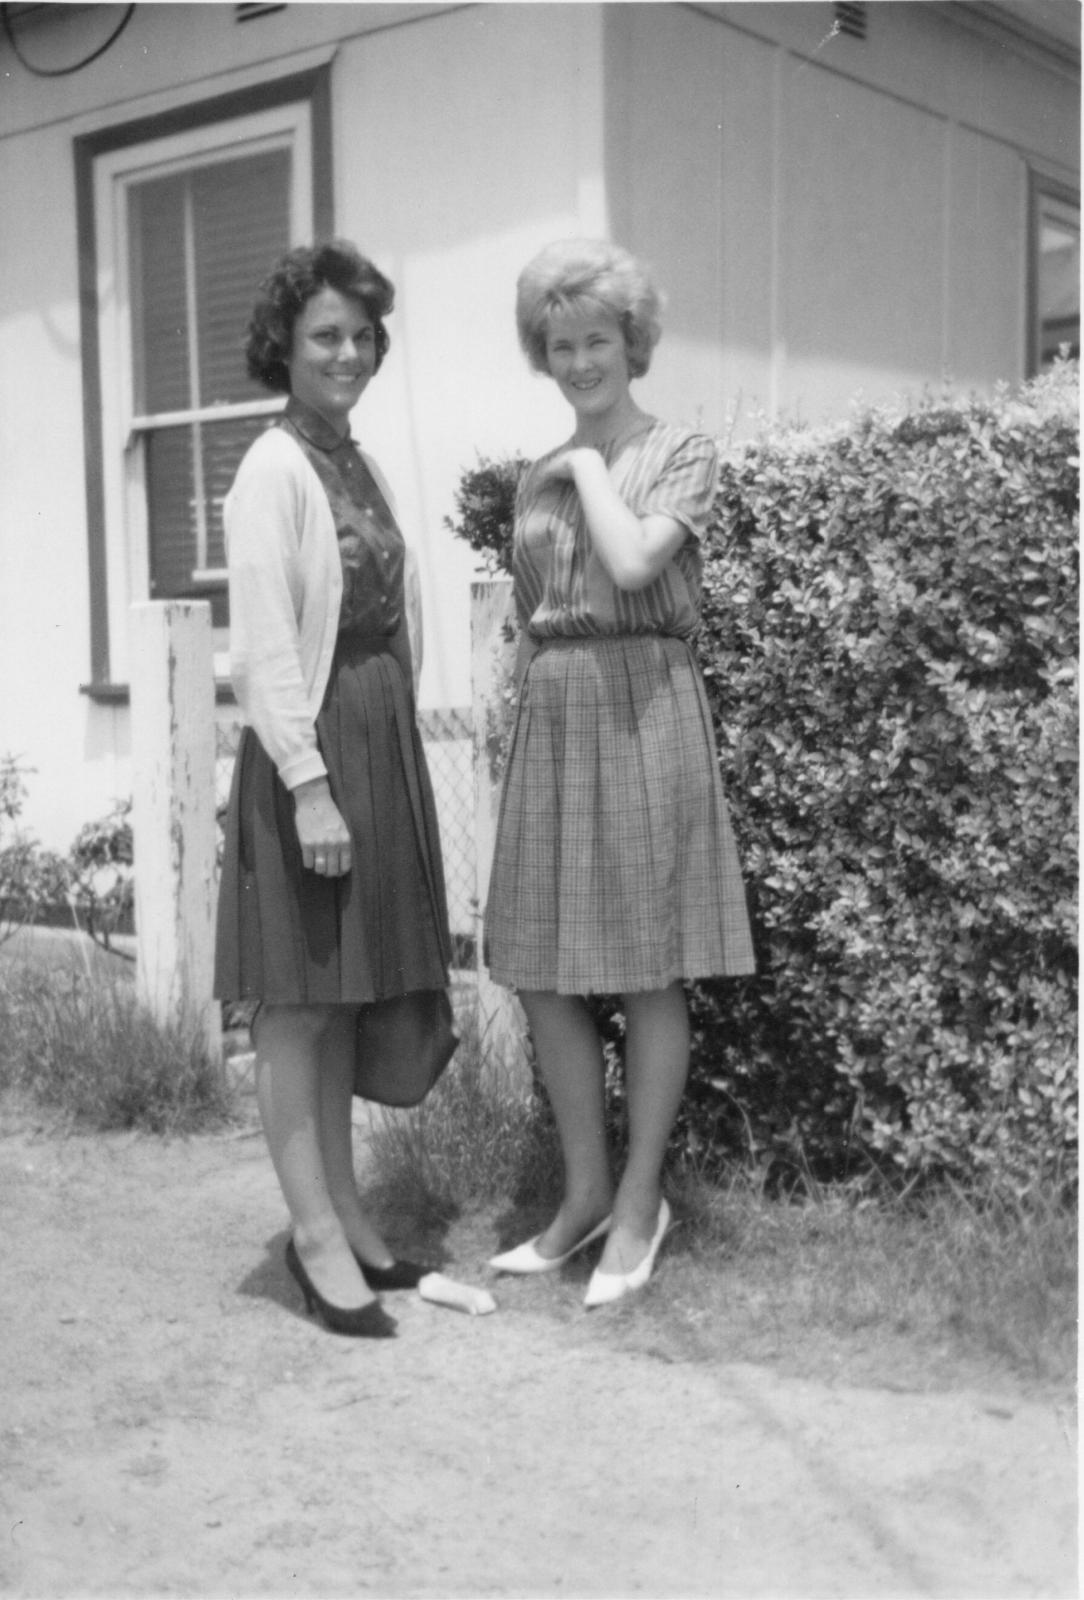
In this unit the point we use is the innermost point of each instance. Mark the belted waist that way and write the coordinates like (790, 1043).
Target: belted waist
(561, 641)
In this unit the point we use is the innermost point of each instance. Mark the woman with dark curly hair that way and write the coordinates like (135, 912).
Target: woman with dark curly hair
(615, 870)
(332, 895)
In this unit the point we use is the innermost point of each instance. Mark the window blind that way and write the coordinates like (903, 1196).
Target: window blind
(201, 240)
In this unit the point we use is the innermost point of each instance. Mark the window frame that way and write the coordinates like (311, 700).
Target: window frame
(1040, 188)
(118, 555)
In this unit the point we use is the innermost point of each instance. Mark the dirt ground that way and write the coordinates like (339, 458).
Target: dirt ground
(171, 1423)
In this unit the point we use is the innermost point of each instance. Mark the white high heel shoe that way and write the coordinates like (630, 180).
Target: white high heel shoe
(605, 1287)
(525, 1259)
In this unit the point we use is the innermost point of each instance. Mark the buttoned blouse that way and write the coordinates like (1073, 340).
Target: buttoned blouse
(561, 587)
(288, 581)
(371, 546)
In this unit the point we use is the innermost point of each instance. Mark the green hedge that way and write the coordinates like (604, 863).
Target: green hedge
(890, 646)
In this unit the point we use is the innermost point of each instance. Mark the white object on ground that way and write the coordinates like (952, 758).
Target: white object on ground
(444, 1291)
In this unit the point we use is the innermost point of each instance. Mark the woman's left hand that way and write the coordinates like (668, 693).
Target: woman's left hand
(321, 831)
(633, 549)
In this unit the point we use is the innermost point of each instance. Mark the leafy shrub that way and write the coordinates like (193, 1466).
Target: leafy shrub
(484, 506)
(889, 644)
(92, 887)
(24, 876)
(890, 647)
(101, 876)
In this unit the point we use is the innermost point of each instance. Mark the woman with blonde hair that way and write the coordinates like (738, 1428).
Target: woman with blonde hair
(615, 870)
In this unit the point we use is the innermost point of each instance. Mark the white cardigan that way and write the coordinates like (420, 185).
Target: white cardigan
(286, 586)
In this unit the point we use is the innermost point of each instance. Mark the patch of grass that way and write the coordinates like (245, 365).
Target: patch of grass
(75, 1041)
(921, 1284)
(944, 1289)
(479, 1137)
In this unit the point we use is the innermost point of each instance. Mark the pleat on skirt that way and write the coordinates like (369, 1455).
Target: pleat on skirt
(291, 936)
(615, 869)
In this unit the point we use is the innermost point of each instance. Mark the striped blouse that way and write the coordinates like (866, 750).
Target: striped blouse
(561, 587)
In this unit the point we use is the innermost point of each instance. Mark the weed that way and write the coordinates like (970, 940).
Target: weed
(77, 1041)
(478, 1137)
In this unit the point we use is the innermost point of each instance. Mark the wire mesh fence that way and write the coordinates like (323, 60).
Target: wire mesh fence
(447, 736)
(227, 737)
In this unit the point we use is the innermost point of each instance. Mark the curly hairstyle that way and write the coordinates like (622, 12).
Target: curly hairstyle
(292, 282)
(588, 275)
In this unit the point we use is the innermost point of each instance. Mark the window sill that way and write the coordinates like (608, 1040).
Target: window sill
(117, 694)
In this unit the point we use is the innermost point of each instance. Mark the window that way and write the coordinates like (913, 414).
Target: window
(198, 241)
(1055, 274)
(184, 226)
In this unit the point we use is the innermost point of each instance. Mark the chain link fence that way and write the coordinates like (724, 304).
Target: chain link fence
(227, 737)
(447, 736)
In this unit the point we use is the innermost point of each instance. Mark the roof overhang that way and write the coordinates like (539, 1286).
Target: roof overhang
(1049, 26)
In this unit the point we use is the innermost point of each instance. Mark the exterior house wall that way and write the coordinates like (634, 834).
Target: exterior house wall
(831, 216)
(78, 751)
(827, 215)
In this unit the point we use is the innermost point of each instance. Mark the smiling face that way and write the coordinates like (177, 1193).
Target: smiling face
(588, 361)
(333, 355)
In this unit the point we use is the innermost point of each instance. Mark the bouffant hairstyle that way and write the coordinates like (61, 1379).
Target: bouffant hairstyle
(588, 276)
(292, 282)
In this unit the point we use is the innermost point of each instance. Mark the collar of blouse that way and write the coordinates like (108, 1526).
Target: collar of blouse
(315, 428)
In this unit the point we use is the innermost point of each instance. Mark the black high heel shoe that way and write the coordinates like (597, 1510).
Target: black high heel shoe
(362, 1322)
(400, 1275)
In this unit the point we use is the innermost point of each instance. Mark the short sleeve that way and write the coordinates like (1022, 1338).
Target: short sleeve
(685, 483)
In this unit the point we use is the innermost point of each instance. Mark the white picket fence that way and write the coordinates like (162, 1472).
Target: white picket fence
(178, 779)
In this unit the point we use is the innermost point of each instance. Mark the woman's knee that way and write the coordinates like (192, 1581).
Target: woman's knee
(538, 1002)
(307, 1025)
(657, 1002)
(545, 1008)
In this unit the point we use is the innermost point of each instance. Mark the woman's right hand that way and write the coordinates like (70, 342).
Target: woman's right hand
(321, 831)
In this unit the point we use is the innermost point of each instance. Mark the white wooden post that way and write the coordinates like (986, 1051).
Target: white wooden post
(502, 1026)
(173, 812)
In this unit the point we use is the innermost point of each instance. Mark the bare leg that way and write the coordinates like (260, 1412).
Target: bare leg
(656, 1067)
(289, 1045)
(570, 1061)
(336, 1137)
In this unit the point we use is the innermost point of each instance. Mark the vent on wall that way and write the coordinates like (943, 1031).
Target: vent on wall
(259, 8)
(850, 19)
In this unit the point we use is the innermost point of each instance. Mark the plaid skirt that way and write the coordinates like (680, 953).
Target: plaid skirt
(615, 869)
(291, 936)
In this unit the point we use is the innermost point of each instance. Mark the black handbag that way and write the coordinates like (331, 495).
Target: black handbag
(402, 1047)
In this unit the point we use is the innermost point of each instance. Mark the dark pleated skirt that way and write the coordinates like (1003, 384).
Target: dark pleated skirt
(292, 937)
(615, 869)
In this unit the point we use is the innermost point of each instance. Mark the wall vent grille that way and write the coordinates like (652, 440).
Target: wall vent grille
(851, 19)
